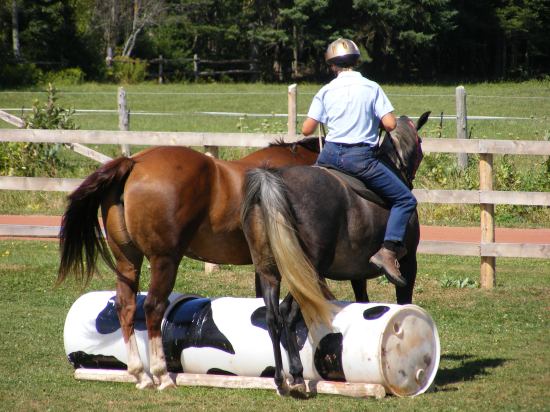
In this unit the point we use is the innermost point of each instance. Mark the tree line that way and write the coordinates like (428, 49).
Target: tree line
(400, 40)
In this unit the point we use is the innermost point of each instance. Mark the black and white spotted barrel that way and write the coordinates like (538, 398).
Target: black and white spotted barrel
(396, 346)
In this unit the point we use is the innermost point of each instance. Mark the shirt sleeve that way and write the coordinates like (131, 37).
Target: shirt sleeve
(317, 109)
(382, 105)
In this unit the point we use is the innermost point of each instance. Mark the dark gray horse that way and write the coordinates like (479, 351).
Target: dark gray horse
(305, 223)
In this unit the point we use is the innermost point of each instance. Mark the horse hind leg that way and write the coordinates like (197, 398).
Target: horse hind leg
(274, 321)
(268, 286)
(163, 276)
(128, 264)
(127, 285)
(290, 312)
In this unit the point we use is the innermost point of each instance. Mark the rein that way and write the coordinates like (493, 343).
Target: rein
(322, 136)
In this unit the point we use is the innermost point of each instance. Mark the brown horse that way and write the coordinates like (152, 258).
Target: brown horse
(163, 203)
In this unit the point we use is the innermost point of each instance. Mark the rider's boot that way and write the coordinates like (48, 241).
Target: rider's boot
(386, 261)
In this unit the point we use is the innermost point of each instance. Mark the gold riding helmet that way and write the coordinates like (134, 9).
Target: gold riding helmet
(342, 53)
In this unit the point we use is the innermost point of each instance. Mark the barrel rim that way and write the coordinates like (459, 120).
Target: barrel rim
(437, 347)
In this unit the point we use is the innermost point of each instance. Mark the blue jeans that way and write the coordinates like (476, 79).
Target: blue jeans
(361, 162)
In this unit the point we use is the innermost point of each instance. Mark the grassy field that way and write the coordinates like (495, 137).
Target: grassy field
(182, 107)
(495, 352)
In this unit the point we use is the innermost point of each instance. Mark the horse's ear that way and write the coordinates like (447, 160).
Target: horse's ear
(422, 120)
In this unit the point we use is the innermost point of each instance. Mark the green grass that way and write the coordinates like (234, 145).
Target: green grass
(495, 353)
(528, 99)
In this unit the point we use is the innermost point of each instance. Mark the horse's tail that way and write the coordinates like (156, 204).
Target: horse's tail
(266, 189)
(80, 237)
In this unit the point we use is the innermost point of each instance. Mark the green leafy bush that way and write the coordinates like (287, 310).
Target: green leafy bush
(32, 159)
(440, 170)
(128, 70)
(50, 115)
(70, 77)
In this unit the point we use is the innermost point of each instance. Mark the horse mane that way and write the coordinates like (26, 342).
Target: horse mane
(309, 143)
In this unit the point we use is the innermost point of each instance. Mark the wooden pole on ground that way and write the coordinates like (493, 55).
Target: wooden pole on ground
(123, 118)
(461, 124)
(488, 263)
(292, 111)
(356, 390)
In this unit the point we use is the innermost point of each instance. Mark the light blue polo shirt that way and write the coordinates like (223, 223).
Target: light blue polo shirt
(351, 106)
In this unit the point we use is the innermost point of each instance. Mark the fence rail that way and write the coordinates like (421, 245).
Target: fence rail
(422, 195)
(116, 137)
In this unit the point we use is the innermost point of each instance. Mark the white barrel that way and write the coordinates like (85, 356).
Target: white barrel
(396, 346)
(92, 334)
(392, 345)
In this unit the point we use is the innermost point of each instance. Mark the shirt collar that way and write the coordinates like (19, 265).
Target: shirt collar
(349, 73)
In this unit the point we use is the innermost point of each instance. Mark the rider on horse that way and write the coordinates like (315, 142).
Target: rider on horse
(353, 107)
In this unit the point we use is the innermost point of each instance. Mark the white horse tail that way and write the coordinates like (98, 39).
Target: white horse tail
(266, 188)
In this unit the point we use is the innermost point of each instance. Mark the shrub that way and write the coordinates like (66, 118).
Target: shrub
(128, 70)
(32, 159)
(71, 76)
(50, 115)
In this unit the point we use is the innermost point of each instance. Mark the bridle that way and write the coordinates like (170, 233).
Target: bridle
(408, 176)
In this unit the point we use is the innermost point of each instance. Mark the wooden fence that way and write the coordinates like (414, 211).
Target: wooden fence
(485, 196)
(209, 67)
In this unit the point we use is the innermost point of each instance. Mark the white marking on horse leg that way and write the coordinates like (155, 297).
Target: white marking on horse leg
(284, 389)
(158, 364)
(135, 366)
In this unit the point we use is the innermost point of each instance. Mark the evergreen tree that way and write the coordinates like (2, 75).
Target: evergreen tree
(403, 37)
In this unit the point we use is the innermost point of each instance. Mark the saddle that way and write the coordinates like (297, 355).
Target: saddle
(355, 184)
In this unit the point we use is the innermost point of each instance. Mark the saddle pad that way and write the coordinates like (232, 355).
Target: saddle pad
(355, 184)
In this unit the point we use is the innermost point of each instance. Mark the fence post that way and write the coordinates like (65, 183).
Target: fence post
(461, 124)
(292, 114)
(123, 118)
(196, 66)
(109, 57)
(160, 70)
(212, 151)
(16, 45)
(488, 263)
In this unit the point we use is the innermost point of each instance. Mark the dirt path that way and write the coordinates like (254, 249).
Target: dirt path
(457, 234)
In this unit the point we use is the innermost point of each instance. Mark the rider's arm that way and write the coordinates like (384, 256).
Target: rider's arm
(389, 122)
(309, 126)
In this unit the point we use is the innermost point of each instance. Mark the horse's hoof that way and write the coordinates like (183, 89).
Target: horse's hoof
(298, 391)
(283, 389)
(166, 382)
(144, 382)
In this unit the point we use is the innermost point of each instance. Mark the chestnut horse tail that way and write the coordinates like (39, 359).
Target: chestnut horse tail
(80, 238)
(266, 188)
